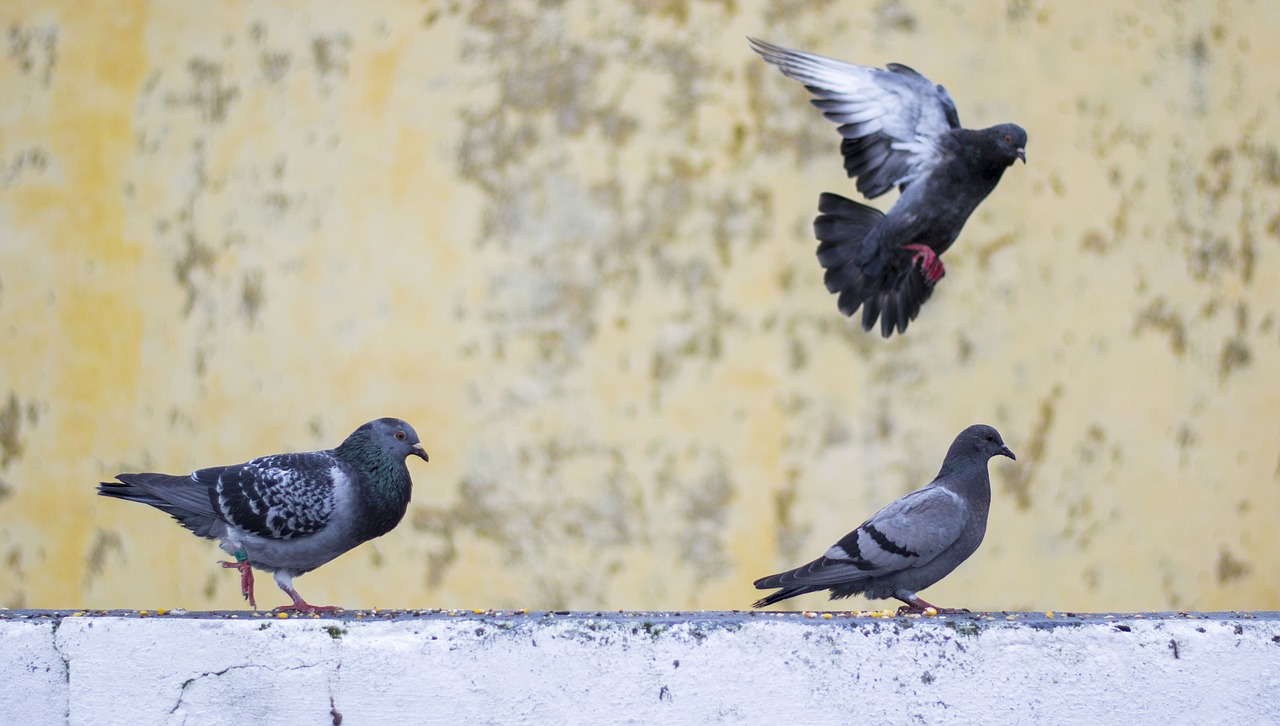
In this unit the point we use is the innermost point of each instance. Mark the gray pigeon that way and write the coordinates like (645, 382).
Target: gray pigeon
(899, 130)
(290, 513)
(912, 543)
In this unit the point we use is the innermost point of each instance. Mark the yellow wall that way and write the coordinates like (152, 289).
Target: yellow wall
(571, 244)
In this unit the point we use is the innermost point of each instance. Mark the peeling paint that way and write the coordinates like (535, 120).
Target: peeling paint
(895, 15)
(790, 535)
(34, 51)
(1020, 481)
(11, 447)
(1160, 317)
(705, 510)
(1229, 568)
(209, 92)
(252, 295)
(330, 54)
(25, 163)
(105, 543)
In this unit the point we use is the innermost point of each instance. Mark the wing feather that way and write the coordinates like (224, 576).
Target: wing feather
(277, 497)
(907, 533)
(899, 112)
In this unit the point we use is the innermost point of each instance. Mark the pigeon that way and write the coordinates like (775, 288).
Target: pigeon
(914, 541)
(899, 130)
(290, 513)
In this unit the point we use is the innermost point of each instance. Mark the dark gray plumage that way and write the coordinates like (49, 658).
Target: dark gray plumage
(914, 541)
(899, 130)
(290, 513)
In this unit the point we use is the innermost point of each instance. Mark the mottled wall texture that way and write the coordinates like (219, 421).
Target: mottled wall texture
(570, 242)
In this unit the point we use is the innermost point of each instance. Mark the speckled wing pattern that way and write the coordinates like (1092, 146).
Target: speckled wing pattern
(891, 119)
(907, 533)
(278, 497)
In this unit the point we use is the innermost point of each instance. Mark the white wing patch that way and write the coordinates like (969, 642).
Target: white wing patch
(892, 119)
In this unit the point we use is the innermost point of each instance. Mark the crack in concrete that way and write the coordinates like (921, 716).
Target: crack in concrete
(66, 668)
(182, 693)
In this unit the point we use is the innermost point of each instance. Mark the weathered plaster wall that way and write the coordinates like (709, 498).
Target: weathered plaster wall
(644, 668)
(570, 242)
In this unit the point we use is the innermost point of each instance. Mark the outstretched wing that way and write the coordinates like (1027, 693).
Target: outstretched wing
(907, 533)
(277, 497)
(891, 119)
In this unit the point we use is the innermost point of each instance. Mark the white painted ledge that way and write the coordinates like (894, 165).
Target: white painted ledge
(645, 668)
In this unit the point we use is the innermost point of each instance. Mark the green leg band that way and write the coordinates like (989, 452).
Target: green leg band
(241, 555)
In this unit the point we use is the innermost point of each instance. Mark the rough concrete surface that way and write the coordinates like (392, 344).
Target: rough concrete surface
(495, 667)
(571, 242)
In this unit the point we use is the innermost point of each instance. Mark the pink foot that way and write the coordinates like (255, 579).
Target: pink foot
(246, 580)
(302, 606)
(918, 605)
(929, 262)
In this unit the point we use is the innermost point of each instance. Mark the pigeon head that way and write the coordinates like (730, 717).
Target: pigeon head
(979, 443)
(1011, 140)
(392, 438)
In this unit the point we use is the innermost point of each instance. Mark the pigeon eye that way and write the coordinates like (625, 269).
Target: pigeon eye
(1008, 139)
(399, 436)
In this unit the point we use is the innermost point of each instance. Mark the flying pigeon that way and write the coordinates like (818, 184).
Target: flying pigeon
(912, 543)
(290, 513)
(899, 130)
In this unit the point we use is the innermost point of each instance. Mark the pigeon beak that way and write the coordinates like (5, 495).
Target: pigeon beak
(1006, 451)
(420, 452)
(1022, 154)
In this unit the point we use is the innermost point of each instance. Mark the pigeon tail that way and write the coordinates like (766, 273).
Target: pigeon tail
(177, 496)
(891, 290)
(780, 595)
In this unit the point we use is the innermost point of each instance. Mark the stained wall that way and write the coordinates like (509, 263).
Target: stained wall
(570, 242)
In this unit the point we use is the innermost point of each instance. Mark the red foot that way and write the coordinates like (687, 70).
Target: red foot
(246, 580)
(929, 262)
(918, 606)
(302, 606)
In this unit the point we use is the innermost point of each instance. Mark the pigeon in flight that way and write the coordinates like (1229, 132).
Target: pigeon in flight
(899, 130)
(912, 543)
(290, 513)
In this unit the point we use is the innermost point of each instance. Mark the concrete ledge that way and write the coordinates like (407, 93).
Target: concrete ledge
(644, 667)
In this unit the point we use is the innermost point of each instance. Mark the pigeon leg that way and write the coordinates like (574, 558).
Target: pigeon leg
(302, 606)
(929, 262)
(246, 579)
(918, 605)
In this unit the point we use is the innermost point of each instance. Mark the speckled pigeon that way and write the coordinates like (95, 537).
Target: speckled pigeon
(290, 513)
(899, 130)
(912, 543)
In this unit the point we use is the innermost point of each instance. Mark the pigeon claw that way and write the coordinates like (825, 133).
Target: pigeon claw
(306, 608)
(246, 580)
(930, 265)
(918, 605)
(302, 606)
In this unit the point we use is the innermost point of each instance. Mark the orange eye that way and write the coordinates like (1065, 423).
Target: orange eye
(1008, 139)
(399, 436)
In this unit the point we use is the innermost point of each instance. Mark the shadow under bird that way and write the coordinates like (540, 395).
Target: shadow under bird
(899, 130)
(290, 513)
(913, 542)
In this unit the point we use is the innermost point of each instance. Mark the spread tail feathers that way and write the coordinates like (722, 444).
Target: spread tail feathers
(848, 248)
